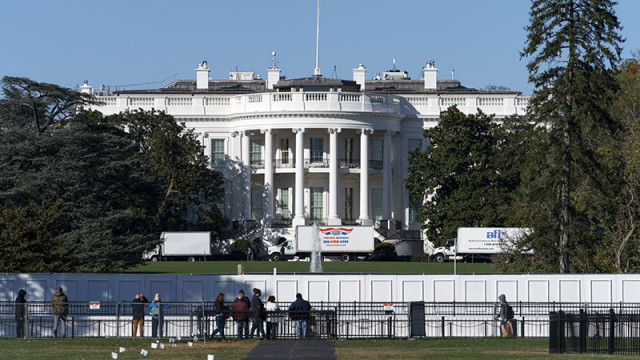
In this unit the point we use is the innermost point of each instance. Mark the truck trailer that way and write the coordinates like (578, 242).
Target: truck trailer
(346, 242)
(186, 245)
(480, 243)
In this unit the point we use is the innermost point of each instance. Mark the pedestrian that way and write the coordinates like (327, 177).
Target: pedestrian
(240, 311)
(60, 307)
(137, 310)
(274, 317)
(156, 310)
(222, 313)
(21, 312)
(299, 312)
(249, 254)
(256, 252)
(257, 314)
(506, 316)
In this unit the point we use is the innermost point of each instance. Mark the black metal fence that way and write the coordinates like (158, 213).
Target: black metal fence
(606, 333)
(343, 320)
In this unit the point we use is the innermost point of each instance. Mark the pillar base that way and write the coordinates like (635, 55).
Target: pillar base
(367, 222)
(334, 221)
(298, 221)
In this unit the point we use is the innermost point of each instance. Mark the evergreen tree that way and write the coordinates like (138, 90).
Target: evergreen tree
(572, 45)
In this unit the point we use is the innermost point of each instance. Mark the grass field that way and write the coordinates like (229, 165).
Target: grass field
(484, 348)
(230, 267)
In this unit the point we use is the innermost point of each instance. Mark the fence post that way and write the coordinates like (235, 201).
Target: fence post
(204, 322)
(553, 333)
(25, 321)
(117, 319)
(522, 327)
(583, 331)
(73, 327)
(612, 331)
(442, 326)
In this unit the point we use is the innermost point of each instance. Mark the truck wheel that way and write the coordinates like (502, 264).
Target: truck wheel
(440, 257)
(345, 257)
(276, 257)
(154, 259)
(191, 259)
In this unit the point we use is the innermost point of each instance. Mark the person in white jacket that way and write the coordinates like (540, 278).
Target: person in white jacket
(274, 317)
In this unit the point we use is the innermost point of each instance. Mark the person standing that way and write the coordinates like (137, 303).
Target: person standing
(60, 307)
(137, 309)
(274, 317)
(240, 311)
(221, 316)
(157, 316)
(257, 313)
(299, 311)
(506, 316)
(21, 312)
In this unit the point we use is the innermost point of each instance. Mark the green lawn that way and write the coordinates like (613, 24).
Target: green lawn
(481, 348)
(230, 267)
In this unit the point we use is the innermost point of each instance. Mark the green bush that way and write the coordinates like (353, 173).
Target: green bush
(384, 252)
(238, 250)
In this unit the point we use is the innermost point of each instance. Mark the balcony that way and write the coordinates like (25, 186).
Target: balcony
(349, 163)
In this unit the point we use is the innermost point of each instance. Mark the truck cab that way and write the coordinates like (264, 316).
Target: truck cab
(282, 251)
(446, 252)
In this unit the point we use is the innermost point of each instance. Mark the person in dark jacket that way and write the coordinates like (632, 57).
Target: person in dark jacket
(240, 311)
(21, 312)
(137, 310)
(299, 311)
(221, 316)
(506, 316)
(257, 313)
(60, 307)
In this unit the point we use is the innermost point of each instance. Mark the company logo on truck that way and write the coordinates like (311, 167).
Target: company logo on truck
(335, 236)
(336, 231)
(496, 234)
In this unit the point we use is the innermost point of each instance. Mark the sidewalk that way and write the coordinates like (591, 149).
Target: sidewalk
(292, 349)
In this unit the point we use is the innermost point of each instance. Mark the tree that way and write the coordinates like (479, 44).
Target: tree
(173, 154)
(39, 106)
(457, 178)
(573, 45)
(30, 240)
(91, 173)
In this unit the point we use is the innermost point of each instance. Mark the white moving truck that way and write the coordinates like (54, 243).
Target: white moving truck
(347, 242)
(480, 243)
(187, 245)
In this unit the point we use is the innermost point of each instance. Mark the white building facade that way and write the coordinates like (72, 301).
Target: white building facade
(314, 150)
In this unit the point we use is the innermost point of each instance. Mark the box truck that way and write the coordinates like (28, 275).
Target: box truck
(191, 246)
(480, 243)
(346, 242)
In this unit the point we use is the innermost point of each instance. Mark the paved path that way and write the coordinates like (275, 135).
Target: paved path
(291, 349)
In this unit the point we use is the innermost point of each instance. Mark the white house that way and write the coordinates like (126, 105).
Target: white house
(315, 149)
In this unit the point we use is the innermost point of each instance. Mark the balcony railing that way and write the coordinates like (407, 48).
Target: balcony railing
(316, 162)
(349, 163)
(285, 163)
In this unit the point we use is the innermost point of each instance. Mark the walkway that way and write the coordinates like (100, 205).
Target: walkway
(291, 349)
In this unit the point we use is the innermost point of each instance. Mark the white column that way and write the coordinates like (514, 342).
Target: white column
(246, 170)
(333, 178)
(365, 219)
(298, 209)
(269, 191)
(386, 177)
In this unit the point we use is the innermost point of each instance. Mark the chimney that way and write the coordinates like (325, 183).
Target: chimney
(202, 76)
(430, 76)
(273, 73)
(86, 88)
(359, 76)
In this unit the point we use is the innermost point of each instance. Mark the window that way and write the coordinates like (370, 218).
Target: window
(219, 202)
(284, 151)
(376, 203)
(217, 151)
(348, 203)
(256, 152)
(316, 203)
(316, 150)
(256, 203)
(348, 150)
(284, 203)
(414, 209)
(376, 149)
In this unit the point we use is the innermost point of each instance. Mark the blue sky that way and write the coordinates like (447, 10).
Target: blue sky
(128, 42)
